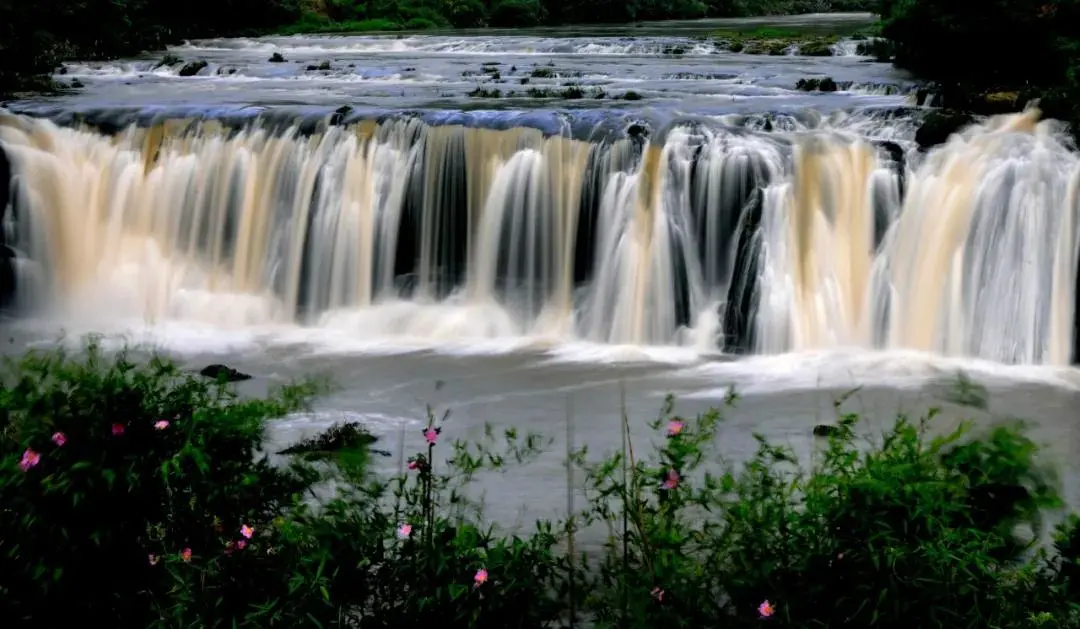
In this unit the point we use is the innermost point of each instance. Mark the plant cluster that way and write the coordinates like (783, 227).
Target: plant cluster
(136, 494)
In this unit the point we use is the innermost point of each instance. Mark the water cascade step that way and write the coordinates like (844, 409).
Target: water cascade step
(699, 233)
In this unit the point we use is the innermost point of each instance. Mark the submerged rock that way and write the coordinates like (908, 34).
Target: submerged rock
(223, 372)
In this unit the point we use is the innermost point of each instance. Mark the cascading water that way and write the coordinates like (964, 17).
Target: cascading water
(704, 234)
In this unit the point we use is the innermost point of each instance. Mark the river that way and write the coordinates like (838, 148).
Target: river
(549, 259)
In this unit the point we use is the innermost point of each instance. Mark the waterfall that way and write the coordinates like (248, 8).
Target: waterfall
(702, 234)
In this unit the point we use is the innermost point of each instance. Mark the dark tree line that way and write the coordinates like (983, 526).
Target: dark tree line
(1027, 47)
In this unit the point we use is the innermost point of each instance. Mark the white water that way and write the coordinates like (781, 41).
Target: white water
(412, 236)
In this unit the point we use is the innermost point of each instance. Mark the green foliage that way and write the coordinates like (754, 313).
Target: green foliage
(1029, 49)
(904, 534)
(135, 461)
(137, 495)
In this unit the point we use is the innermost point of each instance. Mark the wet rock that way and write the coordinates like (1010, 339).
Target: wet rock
(824, 430)
(76, 83)
(338, 437)
(826, 84)
(276, 58)
(817, 48)
(169, 61)
(7, 256)
(192, 68)
(223, 372)
(939, 125)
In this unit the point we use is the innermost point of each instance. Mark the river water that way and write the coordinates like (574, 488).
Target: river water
(548, 260)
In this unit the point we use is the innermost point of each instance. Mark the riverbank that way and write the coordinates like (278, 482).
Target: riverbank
(987, 60)
(152, 472)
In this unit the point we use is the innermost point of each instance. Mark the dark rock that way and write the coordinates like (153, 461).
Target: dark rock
(76, 83)
(335, 439)
(7, 263)
(824, 430)
(939, 125)
(169, 60)
(192, 68)
(826, 84)
(222, 372)
(277, 58)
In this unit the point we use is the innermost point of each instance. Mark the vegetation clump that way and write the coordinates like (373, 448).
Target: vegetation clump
(137, 494)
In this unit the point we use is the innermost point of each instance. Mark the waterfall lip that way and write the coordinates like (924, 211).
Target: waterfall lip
(595, 125)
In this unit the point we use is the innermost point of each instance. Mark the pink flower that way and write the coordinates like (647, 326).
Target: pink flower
(247, 531)
(161, 425)
(413, 465)
(185, 554)
(672, 480)
(404, 531)
(29, 460)
(658, 594)
(766, 609)
(117, 430)
(675, 427)
(59, 438)
(432, 435)
(481, 577)
(241, 544)
(153, 559)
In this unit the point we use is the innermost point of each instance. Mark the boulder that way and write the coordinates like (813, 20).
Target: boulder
(277, 58)
(192, 68)
(824, 430)
(939, 125)
(223, 373)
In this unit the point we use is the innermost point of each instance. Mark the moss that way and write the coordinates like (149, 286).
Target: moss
(816, 48)
(939, 125)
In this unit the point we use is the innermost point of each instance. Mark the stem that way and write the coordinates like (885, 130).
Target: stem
(570, 504)
(625, 513)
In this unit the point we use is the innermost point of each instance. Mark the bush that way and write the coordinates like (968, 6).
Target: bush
(916, 532)
(139, 495)
(136, 494)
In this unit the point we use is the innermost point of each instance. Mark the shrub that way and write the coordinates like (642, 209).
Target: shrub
(136, 494)
(892, 536)
(109, 469)
(139, 495)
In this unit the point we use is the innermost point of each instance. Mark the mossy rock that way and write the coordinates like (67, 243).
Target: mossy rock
(169, 61)
(816, 48)
(939, 125)
(192, 68)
